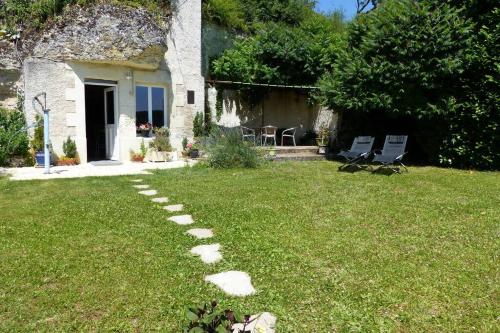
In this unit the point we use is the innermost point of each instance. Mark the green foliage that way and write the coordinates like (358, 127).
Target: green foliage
(69, 148)
(227, 13)
(226, 149)
(198, 125)
(34, 13)
(184, 143)
(13, 135)
(37, 142)
(280, 54)
(161, 140)
(429, 60)
(219, 104)
(245, 15)
(143, 150)
(207, 318)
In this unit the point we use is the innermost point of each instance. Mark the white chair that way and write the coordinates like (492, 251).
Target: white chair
(247, 133)
(268, 132)
(289, 133)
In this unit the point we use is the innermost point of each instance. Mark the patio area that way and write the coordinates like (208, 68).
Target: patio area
(91, 170)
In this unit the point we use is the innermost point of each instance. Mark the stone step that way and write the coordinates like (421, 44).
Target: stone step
(296, 150)
(300, 157)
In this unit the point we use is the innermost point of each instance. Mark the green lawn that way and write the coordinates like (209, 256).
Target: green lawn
(327, 251)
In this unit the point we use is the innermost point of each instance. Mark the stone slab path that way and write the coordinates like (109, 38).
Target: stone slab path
(209, 253)
(136, 180)
(174, 208)
(141, 187)
(160, 200)
(149, 193)
(182, 219)
(233, 283)
(200, 233)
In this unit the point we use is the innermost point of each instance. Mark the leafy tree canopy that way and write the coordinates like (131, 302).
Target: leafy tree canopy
(244, 14)
(427, 59)
(281, 54)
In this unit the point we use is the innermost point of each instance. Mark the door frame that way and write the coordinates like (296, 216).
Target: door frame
(108, 85)
(115, 154)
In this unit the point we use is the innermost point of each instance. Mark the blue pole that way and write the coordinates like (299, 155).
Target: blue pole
(46, 140)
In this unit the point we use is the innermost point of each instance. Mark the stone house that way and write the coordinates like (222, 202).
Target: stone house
(107, 70)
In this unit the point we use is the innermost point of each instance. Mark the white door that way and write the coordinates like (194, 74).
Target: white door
(111, 123)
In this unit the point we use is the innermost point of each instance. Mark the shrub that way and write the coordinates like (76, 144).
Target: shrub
(226, 149)
(13, 135)
(37, 142)
(69, 148)
(198, 125)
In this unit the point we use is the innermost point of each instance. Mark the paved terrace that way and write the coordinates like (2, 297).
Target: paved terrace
(91, 170)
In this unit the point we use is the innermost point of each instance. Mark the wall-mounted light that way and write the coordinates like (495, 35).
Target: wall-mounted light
(129, 75)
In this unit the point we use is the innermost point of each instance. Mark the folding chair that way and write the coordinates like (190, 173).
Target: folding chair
(392, 153)
(360, 150)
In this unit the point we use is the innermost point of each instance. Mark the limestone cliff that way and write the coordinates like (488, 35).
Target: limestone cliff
(101, 33)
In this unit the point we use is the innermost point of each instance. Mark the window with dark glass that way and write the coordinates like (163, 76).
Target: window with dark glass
(150, 109)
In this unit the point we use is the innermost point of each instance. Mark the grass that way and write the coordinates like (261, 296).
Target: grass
(327, 251)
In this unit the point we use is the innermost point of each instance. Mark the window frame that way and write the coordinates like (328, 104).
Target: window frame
(150, 104)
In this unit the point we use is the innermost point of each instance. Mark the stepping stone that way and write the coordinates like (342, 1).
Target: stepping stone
(201, 233)
(233, 283)
(160, 200)
(141, 187)
(182, 219)
(136, 180)
(209, 253)
(262, 322)
(149, 193)
(174, 208)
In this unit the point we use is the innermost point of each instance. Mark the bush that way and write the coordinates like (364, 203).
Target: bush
(69, 148)
(38, 137)
(226, 149)
(433, 61)
(13, 135)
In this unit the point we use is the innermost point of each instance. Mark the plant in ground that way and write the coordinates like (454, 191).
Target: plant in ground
(69, 148)
(208, 318)
(13, 135)
(37, 141)
(227, 149)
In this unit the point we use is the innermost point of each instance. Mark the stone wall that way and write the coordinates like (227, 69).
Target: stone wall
(283, 108)
(10, 75)
(184, 61)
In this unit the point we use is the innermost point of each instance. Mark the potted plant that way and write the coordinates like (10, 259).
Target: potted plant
(322, 139)
(70, 153)
(193, 150)
(144, 130)
(139, 157)
(160, 148)
(37, 143)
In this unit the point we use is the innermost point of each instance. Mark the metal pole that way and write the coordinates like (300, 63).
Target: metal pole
(46, 140)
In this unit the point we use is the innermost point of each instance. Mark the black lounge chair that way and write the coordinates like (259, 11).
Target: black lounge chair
(360, 150)
(392, 153)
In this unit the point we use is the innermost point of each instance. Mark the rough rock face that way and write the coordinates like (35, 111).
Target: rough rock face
(104, 33)
(10, 74)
